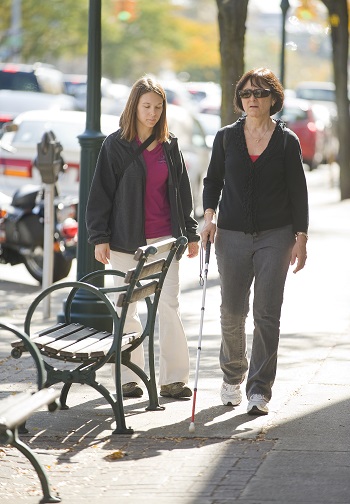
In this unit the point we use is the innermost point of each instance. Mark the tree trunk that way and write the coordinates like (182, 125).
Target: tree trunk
(232, 15)
(339, 18)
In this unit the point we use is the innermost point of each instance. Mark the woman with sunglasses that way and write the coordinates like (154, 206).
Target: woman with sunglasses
(256, 179)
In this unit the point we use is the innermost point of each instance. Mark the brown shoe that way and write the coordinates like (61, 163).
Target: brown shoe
(131, 389)
(176, 390)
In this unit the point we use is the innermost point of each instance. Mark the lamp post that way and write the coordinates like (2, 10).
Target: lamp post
(284, 7)
(85, 307)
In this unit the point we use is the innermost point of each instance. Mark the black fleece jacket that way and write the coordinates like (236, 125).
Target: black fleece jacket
(266, 194)
(115, 208)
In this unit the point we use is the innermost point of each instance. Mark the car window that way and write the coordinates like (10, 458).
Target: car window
(18, 81)
(31, 132)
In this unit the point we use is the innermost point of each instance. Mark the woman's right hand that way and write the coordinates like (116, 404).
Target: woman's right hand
(208, 233)
(102, 253)
(209, 227)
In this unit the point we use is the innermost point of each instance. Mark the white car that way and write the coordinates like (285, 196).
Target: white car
(19, 148)
(195, 149)
(17, 167)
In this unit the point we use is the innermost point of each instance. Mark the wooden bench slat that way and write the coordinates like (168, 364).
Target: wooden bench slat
(98, 349)
(24, 405)
(148, 269)
(19, 343)
(57, 345)
(50, 329)
(83, 344)
(60, 333)
(161, 246)
(127, 339)
(139, 293)
(8, 401)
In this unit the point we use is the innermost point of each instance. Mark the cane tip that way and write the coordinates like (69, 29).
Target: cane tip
(191, 428)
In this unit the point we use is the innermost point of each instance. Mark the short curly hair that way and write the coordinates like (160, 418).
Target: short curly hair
(264, 78)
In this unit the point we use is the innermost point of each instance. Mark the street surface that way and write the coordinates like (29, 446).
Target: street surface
(298, 454)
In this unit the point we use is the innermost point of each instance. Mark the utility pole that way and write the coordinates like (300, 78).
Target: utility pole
(284, 7)
(16, 31)
(86, 308)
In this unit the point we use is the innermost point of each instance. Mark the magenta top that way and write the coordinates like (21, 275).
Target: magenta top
(157, 206)
(254, 158)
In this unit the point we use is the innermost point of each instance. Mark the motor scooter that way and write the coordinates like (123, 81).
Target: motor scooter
(22, 231)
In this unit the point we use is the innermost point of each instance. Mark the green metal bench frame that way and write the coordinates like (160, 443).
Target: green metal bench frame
(142, 282)
(16, 409)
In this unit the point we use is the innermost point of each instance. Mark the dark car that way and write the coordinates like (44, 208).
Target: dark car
(38, 78)
(31, 87)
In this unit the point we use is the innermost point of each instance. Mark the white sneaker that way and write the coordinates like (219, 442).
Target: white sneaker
(257, 405)
(230, 394)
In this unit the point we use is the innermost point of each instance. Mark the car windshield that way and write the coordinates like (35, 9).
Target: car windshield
(31, 132)
(18, 81)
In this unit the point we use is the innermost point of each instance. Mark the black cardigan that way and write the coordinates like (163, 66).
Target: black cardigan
(266, 194)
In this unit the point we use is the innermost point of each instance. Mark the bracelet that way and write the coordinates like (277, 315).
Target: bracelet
(302, 234)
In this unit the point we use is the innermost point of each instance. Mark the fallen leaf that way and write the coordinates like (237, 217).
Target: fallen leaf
(118, 454)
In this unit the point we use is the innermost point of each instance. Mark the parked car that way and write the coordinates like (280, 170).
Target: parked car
(192, 140)
(312, 124)
(210, 105)
(13, 103)
(210, 123)
(177, 94)
(76, 86)
(316, 91)
(38, 78)
(25, 132)
(31, 87)
(200, 91)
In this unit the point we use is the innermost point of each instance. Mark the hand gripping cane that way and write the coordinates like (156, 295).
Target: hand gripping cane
(207, 255)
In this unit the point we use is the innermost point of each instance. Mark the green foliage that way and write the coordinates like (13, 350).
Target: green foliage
(49, 29)
(200, 52)
(157, 37)
(130, 49)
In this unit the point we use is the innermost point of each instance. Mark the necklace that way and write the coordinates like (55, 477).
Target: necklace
(262, 136)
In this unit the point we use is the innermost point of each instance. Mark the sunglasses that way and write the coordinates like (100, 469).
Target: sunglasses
(258, 93)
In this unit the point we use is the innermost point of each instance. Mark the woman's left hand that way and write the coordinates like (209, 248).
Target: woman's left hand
(193, 249)
(299, 253)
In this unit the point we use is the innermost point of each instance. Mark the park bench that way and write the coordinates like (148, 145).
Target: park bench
(89, 348)
(16, 409)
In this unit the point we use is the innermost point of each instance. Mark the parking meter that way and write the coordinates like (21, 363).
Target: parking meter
(49, 160)
(49, 163)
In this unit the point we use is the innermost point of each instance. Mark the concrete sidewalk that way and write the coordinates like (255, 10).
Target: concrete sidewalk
(298, 454)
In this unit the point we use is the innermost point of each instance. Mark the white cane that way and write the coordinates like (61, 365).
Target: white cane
(206, 265)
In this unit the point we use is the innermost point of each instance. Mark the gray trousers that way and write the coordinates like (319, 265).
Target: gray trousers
(242, 258)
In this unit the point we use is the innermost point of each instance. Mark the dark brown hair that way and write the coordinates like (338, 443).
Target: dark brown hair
(128, 117)
(263, 78)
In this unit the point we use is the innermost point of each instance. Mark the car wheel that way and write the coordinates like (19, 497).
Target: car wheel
(35, 261)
